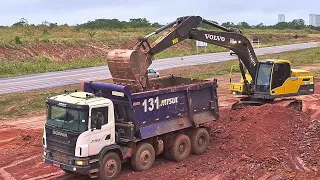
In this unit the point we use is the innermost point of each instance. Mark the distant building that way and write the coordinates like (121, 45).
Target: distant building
(281, 18)
(314, 20)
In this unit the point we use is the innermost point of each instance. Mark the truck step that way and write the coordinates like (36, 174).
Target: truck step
(93, 160)
(93, 176)
(94, 173)
(94, 170)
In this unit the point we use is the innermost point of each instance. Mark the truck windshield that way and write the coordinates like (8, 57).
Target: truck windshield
(263, 79)
(66, 118)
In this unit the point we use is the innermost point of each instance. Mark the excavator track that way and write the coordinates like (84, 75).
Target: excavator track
(292, 103)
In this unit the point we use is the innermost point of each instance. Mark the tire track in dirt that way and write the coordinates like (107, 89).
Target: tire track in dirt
(7, 175)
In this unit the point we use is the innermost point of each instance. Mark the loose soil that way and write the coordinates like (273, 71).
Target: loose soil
(57, 52)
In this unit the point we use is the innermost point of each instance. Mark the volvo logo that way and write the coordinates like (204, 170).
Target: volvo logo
(215, 37)
(58, 133)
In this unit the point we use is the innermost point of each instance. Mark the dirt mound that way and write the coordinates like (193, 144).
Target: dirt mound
(270, 139)
(57, 52)
(266, 142)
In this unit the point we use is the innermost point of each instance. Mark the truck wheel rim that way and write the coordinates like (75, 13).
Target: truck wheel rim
(111, 167)
(145, 158)
(201, 141)
(182, 148)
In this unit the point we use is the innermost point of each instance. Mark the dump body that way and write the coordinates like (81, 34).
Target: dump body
(178, 103)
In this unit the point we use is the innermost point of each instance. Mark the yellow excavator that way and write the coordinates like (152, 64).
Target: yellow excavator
(261, 82)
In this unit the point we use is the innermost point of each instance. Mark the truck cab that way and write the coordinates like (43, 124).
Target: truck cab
(78, 126)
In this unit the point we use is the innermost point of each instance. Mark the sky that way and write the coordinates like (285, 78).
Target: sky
(75, 12)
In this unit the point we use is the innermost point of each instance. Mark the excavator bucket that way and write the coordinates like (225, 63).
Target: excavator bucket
(129, 68)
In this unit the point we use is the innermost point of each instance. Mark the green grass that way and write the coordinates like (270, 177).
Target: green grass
(72, 35)
(18, 104)
(297, 58)
(33, 102)
(45, 64)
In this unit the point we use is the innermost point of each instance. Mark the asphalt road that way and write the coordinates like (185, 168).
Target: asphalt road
(58, 78)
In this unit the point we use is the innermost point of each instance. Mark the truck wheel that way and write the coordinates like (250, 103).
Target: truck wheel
(143, 158)
(199, 141)
(110, 166)
(181, 148)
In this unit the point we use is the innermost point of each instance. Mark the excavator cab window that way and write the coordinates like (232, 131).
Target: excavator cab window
(263, 78)
(281, 72)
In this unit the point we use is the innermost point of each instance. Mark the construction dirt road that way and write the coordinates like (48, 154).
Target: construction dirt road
(266, 142)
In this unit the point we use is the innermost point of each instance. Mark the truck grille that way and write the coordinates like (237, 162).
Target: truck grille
(60, 157)
(61, 144)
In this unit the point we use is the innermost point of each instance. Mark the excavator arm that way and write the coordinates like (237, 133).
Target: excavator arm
(180, 29)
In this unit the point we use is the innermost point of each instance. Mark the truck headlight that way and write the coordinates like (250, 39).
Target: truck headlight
(81, 163)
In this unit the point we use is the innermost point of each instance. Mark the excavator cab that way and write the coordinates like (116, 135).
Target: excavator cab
(274, 79)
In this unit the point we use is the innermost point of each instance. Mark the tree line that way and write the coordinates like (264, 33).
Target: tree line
(294, 24)
(143, 22)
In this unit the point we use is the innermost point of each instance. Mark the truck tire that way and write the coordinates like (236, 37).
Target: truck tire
(144, 157)
(110, 166)
(181, 148)
(199, 141)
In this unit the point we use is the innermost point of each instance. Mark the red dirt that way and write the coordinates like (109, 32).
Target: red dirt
(258, 142)
(267, 141)
(20, 152)
(57, 52)
(66, 52)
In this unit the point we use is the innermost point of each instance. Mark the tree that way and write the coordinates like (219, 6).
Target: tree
(260, 25)
(228, 24)
(243, 25)
(139, 22)
(282, 25)
(156, 25)
(22, 22)
(297, 23)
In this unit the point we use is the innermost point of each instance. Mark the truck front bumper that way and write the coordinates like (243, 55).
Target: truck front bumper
(69, 167)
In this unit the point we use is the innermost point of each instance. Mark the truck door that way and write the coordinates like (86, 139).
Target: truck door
(100, 138)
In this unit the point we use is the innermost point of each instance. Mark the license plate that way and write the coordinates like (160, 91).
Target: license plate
(56, 164)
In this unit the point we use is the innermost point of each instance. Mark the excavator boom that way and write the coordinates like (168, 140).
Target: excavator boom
(129, 67)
